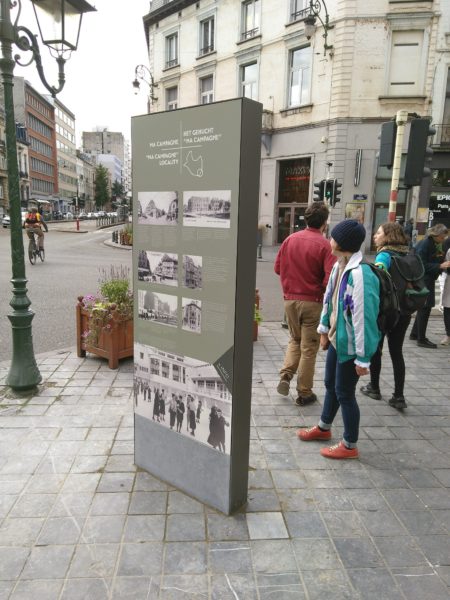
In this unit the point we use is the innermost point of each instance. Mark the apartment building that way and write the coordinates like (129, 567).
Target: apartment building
(86, 178)
(325, 91)
(38, 115)
(66, 156)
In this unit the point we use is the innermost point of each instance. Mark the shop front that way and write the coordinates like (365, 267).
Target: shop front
(293, 195)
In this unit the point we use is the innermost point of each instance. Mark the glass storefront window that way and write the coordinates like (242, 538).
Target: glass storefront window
(294, 181)
(441, 178)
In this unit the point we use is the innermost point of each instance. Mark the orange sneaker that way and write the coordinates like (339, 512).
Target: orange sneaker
(313, 433)
(340, 451)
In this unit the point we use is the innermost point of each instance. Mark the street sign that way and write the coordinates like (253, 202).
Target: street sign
(360, 197)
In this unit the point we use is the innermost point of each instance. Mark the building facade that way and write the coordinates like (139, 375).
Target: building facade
(325, 92)
(38, 115)
(86, 181)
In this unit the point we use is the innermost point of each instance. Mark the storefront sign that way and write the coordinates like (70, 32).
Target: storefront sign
(439, 209)
(354, 210)
(195, 185)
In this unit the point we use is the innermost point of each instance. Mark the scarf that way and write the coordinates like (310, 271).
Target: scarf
(398, 248)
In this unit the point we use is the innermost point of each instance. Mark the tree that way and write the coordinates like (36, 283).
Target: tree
(117, 193)
(101, 196)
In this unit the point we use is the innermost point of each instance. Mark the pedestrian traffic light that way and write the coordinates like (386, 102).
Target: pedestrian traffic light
(319, 191)
(419, 154)
(336, 197)
(387, 144)
(328, 191)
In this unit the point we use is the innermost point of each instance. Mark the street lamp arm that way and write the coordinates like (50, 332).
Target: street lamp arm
(315, 8)
(27, 42)
(140, 72)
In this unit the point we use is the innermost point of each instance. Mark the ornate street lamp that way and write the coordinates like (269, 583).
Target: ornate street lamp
(313, 11)
(140, 73)
(64, 18)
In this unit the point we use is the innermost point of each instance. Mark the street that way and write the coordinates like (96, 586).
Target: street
(71, 268)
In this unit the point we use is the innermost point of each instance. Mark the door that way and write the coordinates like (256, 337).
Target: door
(290, 219)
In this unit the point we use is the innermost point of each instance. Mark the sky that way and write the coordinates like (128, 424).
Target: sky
(99, 74)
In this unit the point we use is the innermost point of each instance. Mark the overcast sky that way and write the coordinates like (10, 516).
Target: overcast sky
(98, 86)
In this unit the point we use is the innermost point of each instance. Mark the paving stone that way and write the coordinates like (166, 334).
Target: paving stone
(400, 551)
(420, 522)
(262, 500)
(273, 556)
(94, 560)
(185, 558)
(183, 528)
(344, 524)
(323, 583)
(140, 560)
(306, 524)
(72, 504)
(222, 528)
(104, 530)
(148, 503)
(381, 523)
(266, 525)
(88, 464)
(184, 587)
(64, 530)
(315, 554)
(230, 557)
(115, 503)
(12, 561)
(233, 585)
(417, 585)
(181, 503)
(37, 590)
(283, 586)
(435, 547)
(144, 528)
(87, 589)
(358, 552)
(135, 588)
(48, 562)
(374, 583)
(33, 505)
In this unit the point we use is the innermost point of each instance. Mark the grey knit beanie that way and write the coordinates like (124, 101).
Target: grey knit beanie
(349, 235)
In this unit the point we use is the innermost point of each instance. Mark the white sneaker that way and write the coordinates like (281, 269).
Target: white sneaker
(445, 341)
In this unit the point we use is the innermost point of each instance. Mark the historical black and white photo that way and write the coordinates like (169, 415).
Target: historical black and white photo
(157, 208)
(158, 308)
(192, 315)
(207, 209)
(158, 267)
(192, 271)
(183, 394)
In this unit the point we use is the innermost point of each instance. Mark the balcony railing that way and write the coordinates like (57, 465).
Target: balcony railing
(300, 14)
(248, 35)
(442, 135)
(171, 63)
(206, 50)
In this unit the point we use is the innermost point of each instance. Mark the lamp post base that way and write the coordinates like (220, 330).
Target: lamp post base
(23, 372)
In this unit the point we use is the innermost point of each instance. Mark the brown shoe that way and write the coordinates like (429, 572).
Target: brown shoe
(304, 400)
(283, 386)
(313, 433)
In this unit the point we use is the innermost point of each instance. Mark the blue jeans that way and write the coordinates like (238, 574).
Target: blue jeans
(340, 384)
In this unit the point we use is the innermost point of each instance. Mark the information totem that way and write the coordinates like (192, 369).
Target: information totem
(195, 210)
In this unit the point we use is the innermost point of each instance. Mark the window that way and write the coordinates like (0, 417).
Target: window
(206, 36)
(249, 81)
(206, 90)
(250, 19)
(298, 10)
(171, 50)
(171, 98)
(299, 76)
(405, 66)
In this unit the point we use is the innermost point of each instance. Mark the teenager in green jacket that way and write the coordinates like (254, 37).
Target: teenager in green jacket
(348, 329)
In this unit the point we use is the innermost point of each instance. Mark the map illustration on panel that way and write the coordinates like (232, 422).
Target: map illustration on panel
(207, 209)
(158, 267)
(183, 394)
(158, 308)
(157, 208)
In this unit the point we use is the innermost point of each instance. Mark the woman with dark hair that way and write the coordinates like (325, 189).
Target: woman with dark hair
(432, 254)
(390, 240)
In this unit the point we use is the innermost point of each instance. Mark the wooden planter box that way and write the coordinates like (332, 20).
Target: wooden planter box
(113, 344)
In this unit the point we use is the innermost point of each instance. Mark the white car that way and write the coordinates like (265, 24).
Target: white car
(6, 221)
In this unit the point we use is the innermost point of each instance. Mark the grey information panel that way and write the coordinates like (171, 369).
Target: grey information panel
(195, 206)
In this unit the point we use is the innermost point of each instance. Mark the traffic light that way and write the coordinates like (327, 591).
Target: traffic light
(336, 197)
(319, 191)
(387, 144)
(328, 192)
(419, 154)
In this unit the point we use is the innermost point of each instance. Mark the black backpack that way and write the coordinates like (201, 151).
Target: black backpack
(407, 273)
(389, 311)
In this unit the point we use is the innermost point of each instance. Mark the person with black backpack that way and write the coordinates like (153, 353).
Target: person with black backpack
(407, 273)
(432, 255)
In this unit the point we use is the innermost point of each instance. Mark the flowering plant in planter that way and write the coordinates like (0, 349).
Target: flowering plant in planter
(105, 320)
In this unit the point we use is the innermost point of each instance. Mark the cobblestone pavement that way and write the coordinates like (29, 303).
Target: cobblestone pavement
(78, 521)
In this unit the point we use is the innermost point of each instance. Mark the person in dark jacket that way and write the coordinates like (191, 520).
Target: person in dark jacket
(304, 264)
(390, 240)
(432, 255)
(180, 413)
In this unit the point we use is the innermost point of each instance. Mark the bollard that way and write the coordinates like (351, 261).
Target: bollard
(78, 224)
(259, 251)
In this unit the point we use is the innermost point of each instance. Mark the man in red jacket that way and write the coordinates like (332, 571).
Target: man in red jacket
(304, 264)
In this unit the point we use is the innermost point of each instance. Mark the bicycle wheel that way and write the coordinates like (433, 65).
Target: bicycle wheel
(41, 252)
(32, 253)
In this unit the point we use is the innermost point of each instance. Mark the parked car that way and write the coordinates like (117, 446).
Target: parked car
(101, 213)
(6, 221)
(82, 215)
(68, 215)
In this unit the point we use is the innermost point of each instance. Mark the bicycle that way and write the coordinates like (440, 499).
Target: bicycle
(33, 251)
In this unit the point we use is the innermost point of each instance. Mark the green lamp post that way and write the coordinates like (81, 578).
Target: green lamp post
(59, 23)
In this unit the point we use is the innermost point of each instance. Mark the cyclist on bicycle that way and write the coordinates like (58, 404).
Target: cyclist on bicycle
(34, 224)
